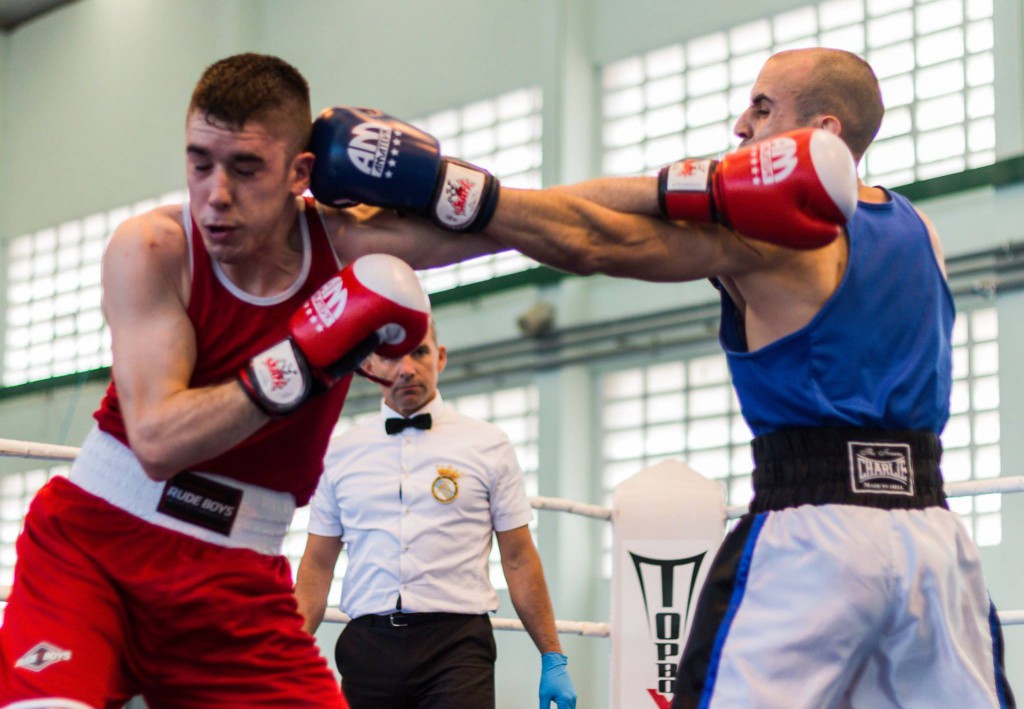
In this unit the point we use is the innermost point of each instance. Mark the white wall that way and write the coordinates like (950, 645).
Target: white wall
(3, 98)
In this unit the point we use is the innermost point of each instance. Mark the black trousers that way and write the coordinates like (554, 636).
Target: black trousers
(436, 661)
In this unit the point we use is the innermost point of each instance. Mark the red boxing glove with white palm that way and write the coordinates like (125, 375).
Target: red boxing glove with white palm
(796, 189)
(375, 304)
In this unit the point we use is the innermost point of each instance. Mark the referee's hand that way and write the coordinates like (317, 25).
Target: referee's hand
(555, 682)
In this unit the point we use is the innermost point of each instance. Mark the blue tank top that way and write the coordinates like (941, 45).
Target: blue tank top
(877, 354)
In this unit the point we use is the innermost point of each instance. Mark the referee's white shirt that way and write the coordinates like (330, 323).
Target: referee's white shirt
(416, 510)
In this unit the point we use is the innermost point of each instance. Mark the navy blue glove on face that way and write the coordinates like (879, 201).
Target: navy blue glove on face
(366, 156)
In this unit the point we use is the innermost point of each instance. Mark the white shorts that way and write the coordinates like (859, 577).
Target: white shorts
(849, 584)
(838, 605)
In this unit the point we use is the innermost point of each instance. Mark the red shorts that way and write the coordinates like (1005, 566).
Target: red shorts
(106, 606)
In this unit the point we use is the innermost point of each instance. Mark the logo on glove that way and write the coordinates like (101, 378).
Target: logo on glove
(458, 195)
(279, 373)
(689, 175)
(373, 148)
(326, 305)
(774, 161)
(459, 201)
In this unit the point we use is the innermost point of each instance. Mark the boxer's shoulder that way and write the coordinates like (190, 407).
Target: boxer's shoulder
(157, 229)
(152, 239)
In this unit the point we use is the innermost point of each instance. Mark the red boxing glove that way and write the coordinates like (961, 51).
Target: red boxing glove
(376, 303)
(795, 189)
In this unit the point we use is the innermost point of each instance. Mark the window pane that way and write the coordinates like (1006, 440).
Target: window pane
(937, 15)
(690, 413)
(971, 438)
(890, 29)
(503, 135)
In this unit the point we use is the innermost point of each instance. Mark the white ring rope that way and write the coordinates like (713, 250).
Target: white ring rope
(46, 451)
(579, 508)
(41, 451)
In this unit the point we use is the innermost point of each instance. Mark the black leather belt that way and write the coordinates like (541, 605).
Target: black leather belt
(401, 620)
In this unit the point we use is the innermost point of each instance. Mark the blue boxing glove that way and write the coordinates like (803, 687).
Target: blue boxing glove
(555, 682)
(363, 155)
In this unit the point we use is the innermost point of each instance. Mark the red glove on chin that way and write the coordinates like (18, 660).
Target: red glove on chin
(795, 189)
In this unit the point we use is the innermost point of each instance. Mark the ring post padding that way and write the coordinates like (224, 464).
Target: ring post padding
(669, 521)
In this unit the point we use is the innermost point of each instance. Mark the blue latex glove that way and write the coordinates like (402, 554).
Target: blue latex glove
(555, 683)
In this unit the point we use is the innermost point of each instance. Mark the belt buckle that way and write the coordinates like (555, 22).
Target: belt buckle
(399, 616)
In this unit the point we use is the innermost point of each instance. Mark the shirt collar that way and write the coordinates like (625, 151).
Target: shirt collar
(433, 407)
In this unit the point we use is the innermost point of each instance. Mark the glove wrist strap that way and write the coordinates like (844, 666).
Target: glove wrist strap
(278, 379)
(465, 198)
(685, 191)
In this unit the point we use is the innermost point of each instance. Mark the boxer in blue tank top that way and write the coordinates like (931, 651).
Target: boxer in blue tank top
(877, 354)
(849, 582)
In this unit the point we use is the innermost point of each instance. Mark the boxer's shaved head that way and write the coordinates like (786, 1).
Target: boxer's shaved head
(838, 83)
(250, 86)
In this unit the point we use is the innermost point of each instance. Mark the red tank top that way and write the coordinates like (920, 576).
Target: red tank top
(231, 327)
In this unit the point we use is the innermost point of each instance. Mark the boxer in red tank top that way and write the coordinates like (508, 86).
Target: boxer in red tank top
(156, 568)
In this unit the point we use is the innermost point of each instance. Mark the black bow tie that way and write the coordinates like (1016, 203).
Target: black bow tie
(420, 421)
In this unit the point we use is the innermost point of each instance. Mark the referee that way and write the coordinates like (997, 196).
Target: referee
(415, 494)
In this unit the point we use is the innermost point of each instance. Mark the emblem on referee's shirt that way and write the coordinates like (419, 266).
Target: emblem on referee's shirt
(446, 487)
(883, 468)
(42, 656)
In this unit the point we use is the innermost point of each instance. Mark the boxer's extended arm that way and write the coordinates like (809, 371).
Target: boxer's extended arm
(313, 578)
(361, 230)
(581, 235)
(169, 425)
(631, 195)
(605, 225)
(419, 181)
(415, 179)
(366, 156)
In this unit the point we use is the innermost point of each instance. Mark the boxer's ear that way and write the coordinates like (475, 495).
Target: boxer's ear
(302, 169)
(830, 123)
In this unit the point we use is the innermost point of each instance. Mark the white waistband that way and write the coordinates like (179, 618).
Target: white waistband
(108, 469)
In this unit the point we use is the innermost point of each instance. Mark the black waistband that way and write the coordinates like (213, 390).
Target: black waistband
(848, 466)
(401, 620)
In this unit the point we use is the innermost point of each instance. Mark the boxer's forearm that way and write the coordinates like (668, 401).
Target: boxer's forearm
(562, 230)
(630, 195)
